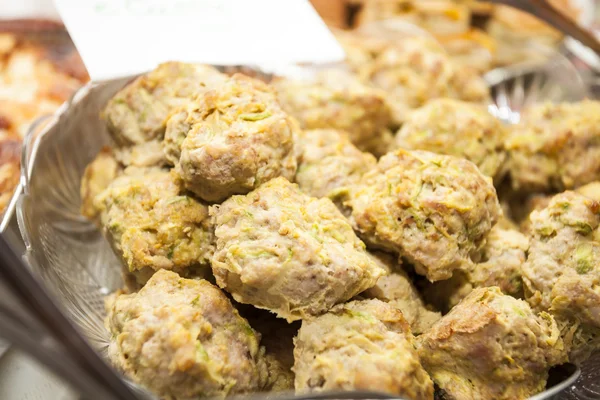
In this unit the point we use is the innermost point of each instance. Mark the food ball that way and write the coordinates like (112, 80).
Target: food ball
(459, 129)
(555, 147)
(360, 345)
(501, 265)
(137, 114)
(434, 210)
(397, 289)
(539, 201)
(182, 339)
(467, 85)
(231, 139)
(152, 224)
(491, 346)
(335, 99)
(563, 267)
(328, 163)
(417, 69)
(412, 72)
(97, 176)
(281, 250)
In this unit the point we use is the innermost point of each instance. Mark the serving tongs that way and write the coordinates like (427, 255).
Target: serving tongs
(543, 10)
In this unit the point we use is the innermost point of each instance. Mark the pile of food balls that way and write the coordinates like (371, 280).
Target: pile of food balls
(344, 232)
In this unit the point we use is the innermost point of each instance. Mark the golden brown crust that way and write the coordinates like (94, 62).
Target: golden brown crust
(491, 346)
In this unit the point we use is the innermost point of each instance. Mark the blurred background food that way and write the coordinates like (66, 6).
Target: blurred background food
(476, 33)
(39, 70)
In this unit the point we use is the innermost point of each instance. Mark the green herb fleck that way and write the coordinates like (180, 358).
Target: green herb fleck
(247, 329)
(196, 300)
(417, 189)
(584, 259)
(358, 315)
(255, 116)
(519, 312)
(546, 231)
(201, 354)
(583, 228)
(176, 199)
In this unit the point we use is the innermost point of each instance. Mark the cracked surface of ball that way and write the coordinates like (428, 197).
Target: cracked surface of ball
(491, 346)
(153, 224)
(434, 210)
(562, 271)
(295, 255)
(360, 345)
(231, 139)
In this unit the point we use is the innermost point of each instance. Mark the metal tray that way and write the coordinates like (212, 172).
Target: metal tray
(70, 255)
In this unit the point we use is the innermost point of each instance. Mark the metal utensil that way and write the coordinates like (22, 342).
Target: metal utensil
(516, 87)
(554, 17)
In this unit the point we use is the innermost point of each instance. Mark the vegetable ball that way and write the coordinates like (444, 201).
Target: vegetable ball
(562, 271)
(295, 255)
(183, 339)
(137, 114)
(335, 99)
(434, 210)
(153, 224)
(360, 345)
(231, 139)
(416, 70)
(491, 346)
(555, 147)
(458, 129)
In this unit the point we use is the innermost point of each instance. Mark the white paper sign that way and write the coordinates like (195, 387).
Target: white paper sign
(15, 9)
(122, 37)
